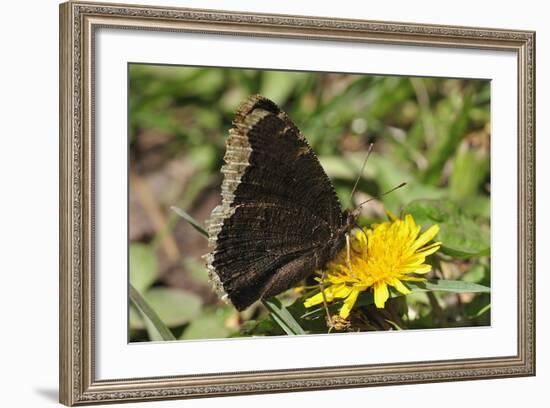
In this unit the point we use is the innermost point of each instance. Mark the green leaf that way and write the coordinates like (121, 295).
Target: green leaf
(143, 266)
(209, 325)
(263, 327)
(190, 220)
(478, 206)
(174, 307)
(156, 328)
(476, 274)
(283, 317)
(460, 235)
(196, 271)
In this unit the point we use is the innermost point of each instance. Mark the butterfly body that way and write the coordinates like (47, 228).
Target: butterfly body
(280, 218)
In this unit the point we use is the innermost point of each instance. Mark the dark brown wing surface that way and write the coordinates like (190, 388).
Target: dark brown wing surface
(279, 218)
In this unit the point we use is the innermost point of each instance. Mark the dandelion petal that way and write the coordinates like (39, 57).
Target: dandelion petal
(397, 284)
(426, 236)
(348, 304)
(381, 294)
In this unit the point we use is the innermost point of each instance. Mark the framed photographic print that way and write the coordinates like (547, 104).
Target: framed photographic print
(258, 203)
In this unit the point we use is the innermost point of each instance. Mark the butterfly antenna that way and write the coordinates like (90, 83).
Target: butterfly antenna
(382, 195)
(361, 172)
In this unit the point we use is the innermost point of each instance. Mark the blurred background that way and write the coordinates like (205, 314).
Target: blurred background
(432, 133)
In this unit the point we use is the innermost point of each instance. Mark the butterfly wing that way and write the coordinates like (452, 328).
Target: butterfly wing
(280, 217)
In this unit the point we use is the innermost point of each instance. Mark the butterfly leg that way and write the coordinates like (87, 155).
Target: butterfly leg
(325, 303)
(330, 321)
(348, 255)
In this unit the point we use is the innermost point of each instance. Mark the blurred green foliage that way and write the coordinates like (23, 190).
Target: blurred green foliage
(433, 133)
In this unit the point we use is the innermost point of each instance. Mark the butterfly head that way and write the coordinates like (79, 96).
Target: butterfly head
(351, 218)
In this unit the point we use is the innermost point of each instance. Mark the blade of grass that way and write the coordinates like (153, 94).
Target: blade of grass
(480, 312)
(190, 220)
(443, 285)
(283, 317)
(393, 324)
(435, 285)
(157, 326)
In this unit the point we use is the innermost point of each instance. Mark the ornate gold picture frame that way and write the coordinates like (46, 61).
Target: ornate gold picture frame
(79, 23)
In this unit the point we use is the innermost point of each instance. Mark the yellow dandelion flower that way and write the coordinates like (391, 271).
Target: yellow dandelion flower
(384, 255)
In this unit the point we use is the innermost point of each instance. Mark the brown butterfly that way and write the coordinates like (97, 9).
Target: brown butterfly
(280, 218)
